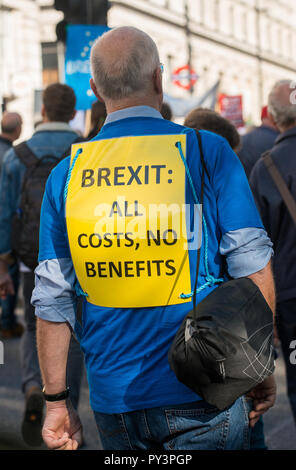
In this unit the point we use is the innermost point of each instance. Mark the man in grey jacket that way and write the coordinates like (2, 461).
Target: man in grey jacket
(279, 223)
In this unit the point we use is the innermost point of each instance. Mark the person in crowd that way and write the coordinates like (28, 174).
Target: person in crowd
(97, 119)
(51, 139)
(127, 329)
(257, 141)
(278, 221)
(166, 112)
(11, 128)
(210, 120)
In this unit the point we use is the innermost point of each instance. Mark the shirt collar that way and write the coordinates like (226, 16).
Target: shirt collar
(286, 134)
(133, 111)
(54, 126)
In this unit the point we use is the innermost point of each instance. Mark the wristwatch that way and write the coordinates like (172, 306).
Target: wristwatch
(57, 396)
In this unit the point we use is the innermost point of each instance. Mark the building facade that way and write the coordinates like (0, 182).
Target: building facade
(245, 45)
(20, 65)
(28, 56)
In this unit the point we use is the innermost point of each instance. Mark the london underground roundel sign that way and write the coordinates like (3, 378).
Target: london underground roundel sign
(185, 77)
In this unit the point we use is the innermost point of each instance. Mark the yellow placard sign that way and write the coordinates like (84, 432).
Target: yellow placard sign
(126, 222)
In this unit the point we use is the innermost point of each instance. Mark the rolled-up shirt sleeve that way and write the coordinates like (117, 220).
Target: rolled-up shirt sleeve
(54, 296)
(247, 251)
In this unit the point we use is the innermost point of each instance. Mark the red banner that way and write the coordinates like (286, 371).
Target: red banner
(231, 108)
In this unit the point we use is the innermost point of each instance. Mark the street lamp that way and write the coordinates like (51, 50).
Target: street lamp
(188, 38)
(258, 11)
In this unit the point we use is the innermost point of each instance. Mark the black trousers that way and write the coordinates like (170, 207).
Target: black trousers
(286, 323)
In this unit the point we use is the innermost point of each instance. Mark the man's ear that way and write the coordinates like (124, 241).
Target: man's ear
(19, 131)
(73, 115)
(94, 89)
(43, 113)
(157, 81)
(270, 117)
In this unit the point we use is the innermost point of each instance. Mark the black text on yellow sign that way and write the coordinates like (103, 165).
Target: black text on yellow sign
(121, 208)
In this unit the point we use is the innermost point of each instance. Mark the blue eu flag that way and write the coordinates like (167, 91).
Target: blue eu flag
(80, 39)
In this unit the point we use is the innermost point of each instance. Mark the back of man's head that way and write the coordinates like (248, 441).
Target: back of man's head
(123, 62)
(59, 103)
(209, 120)
(11, 125)
(282, 106)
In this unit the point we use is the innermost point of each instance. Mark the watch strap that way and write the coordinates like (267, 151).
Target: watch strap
(57, 396)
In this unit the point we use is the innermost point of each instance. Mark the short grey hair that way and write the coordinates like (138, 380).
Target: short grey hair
(125, 74)
(283, 113)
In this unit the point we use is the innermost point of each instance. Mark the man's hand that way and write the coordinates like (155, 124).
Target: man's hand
(6, 284)
(62, 429)
(263, 396)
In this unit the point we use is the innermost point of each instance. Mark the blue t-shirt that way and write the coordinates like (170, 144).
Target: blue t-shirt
(126, 350)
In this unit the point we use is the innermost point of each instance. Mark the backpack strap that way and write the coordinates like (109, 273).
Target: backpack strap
(210, 280)
(280, 184)
(25, 155)
(202, 158)
(204, 170)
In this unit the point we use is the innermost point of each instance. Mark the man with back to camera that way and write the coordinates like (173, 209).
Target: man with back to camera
(278, 222)
(258, 140)
(128, 322)
(11, 128)
(51, 139)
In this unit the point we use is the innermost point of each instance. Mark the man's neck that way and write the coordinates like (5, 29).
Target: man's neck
(268, 123)
(111, 107)
(293, 126)
(7, 137)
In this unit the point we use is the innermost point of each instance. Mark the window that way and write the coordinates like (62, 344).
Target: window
(49, 55)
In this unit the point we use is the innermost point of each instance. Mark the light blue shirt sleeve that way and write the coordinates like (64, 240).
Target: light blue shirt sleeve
(54, 296)
(247, 251)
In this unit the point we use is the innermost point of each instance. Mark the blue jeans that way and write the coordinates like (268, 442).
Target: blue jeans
(257, 436)
(192, 426)
(8, 318)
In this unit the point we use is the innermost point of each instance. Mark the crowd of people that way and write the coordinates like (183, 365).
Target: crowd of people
(137, 401)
